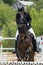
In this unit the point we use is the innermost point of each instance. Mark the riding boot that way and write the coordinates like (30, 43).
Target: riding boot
(15, 47)
(35, 45)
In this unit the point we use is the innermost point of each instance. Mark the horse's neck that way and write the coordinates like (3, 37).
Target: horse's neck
(28, 34)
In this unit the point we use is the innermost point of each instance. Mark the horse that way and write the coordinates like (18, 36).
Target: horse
(25, 50)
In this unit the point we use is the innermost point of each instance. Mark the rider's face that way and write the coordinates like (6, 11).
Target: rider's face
(22, 12)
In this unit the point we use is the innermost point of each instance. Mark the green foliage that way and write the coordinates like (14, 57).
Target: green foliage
(1, 1)
(10, 2)
(6, 13)
(38, 4)
(7, 23)
(37, 21)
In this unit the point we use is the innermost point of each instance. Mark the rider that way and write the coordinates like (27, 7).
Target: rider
(22, 15)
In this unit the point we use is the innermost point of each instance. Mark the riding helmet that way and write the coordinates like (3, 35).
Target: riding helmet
(21, 8)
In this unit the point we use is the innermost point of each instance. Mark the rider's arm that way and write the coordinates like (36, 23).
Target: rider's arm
(28, 18)
(18, 18)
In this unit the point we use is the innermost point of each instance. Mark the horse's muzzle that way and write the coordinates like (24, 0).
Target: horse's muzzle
(22, 36)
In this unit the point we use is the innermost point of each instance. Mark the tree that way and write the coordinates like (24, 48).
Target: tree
(7, 17)
(7, 23)
(10, 2)
(1, 1)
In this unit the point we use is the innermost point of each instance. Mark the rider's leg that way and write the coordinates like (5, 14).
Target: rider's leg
(16, 35)
(31, 31)
(34, 39)
(16, 41)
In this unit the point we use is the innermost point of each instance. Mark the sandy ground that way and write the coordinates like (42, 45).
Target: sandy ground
(8, 56)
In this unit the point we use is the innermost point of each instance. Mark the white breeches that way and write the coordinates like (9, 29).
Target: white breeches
(30, 30)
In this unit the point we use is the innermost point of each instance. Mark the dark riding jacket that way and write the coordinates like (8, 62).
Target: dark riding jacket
(26, 19)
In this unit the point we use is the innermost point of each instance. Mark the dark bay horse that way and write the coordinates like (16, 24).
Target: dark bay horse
(25, 50)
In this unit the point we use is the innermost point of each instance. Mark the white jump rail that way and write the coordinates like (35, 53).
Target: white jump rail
(1, 48)
(9, 38)
(2, 38)
(21, 63)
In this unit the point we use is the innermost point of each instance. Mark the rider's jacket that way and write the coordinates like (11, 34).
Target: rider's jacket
(24, 19)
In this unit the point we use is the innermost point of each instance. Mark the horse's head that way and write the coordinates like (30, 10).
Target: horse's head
(22, 30)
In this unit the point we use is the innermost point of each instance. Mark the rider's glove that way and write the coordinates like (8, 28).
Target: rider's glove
(27, 24)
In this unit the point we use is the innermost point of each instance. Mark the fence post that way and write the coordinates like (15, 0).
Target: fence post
(1, 52)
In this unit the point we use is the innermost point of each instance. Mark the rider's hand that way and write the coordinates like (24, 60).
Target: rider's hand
(27, 24)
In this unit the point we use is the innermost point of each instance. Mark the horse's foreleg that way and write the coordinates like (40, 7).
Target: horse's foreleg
(32, 54)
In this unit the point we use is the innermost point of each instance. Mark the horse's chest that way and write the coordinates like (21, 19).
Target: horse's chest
(23, 44)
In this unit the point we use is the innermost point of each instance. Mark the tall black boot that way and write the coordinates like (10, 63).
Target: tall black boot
(35, 45)
(15, 47)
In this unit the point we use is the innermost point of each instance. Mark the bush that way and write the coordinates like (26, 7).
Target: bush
(37, 21)
(7, 23)
(10, 2)
(7, 16)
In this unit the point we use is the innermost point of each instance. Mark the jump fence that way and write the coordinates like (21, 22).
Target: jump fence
(15, 62)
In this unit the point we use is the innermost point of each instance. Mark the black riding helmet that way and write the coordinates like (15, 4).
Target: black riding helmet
(21, 8)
